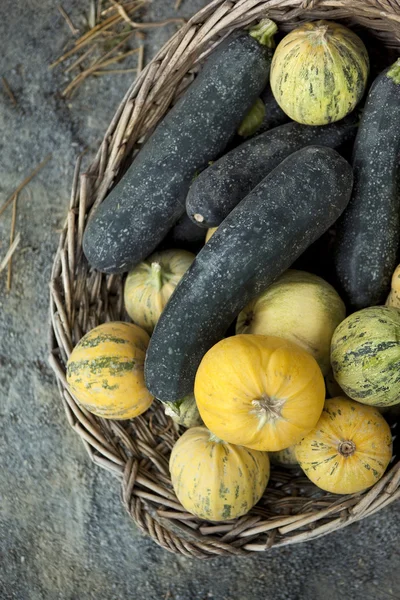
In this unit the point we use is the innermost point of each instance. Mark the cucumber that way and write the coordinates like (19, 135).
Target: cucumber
(150, 197)
(259, 240)
(220, 187)
(368, 235)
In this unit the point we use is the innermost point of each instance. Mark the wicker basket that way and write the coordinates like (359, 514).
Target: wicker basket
(137, 451)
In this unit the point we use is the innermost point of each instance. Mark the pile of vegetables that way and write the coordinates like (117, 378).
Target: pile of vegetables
(255, 357)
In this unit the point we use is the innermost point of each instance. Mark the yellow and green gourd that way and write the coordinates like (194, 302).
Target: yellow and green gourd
(300, 307)
(215, 480)
(149, 286)
(284, 458)
(319, 72)
(349, 449)
(365, 356)
(105, 371)
(210, 233)
(184, 412)
(394, 294)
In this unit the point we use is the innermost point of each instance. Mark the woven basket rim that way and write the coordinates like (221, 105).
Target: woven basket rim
(136, 452)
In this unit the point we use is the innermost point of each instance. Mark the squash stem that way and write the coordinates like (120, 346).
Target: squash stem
(156, 272)
(214, 438)
(264, 32)
(347, 448)
(394, 72)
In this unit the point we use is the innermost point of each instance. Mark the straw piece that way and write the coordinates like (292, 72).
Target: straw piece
(9, 91)
(10, 252)
(12, 233)
(24, 183)
(67, 18)
(178, 4)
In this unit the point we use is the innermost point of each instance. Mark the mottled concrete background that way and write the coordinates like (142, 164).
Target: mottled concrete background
(63, 532)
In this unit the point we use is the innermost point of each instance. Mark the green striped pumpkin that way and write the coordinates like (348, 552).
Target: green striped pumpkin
(365, 356)
(319, 72)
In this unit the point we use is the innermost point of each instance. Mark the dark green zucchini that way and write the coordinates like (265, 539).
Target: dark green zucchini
(368, 235)
(150, 197)
(220, 187)
(259, 240)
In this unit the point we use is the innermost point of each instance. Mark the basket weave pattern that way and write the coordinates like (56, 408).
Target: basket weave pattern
(137, 452)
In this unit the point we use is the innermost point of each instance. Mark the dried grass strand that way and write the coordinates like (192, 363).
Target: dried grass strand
(24, 183)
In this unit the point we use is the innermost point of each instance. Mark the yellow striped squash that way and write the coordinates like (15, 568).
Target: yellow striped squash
(319, 72)
(349, 449)
(105, 371)
(215, 480)
(149, 286)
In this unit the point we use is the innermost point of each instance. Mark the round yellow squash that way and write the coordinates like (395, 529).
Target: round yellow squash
(300, 307)
(149, 286)
(105, 371)
(394, 294)
(261, 392)
(319, 72)
(210, 233)
(184, 412)
(215, 480)
(349, 449)
(284, 458)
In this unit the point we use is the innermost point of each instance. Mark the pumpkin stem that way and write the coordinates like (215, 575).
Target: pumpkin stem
(264, 32)
(347, 448)
(394, 72)
(267, 408)
(156, 272)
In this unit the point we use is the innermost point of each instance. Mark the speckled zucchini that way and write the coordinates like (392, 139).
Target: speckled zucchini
(369, 231)
(259, 240)
(218, 189)
(150, 198)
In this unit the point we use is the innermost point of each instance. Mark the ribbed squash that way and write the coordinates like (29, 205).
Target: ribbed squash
(149, 286)
(300, 307)
(260, 392)
(210, 232)
(215, 480)
(105, 371)
(184, 412)
(365, 356)
(284, 458)
(349, 449)
(319, 72)
(394, 295)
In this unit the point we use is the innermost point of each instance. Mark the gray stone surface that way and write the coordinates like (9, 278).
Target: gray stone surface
(63, 532)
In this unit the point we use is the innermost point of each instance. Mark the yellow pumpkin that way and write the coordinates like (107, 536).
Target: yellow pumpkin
(210, 233)
(349, 449)
(261, 392)
(319, 72)
(284, 458)
(394, 295)
(149, 286)
(215, 480)
(300, 307)
(105, 371)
